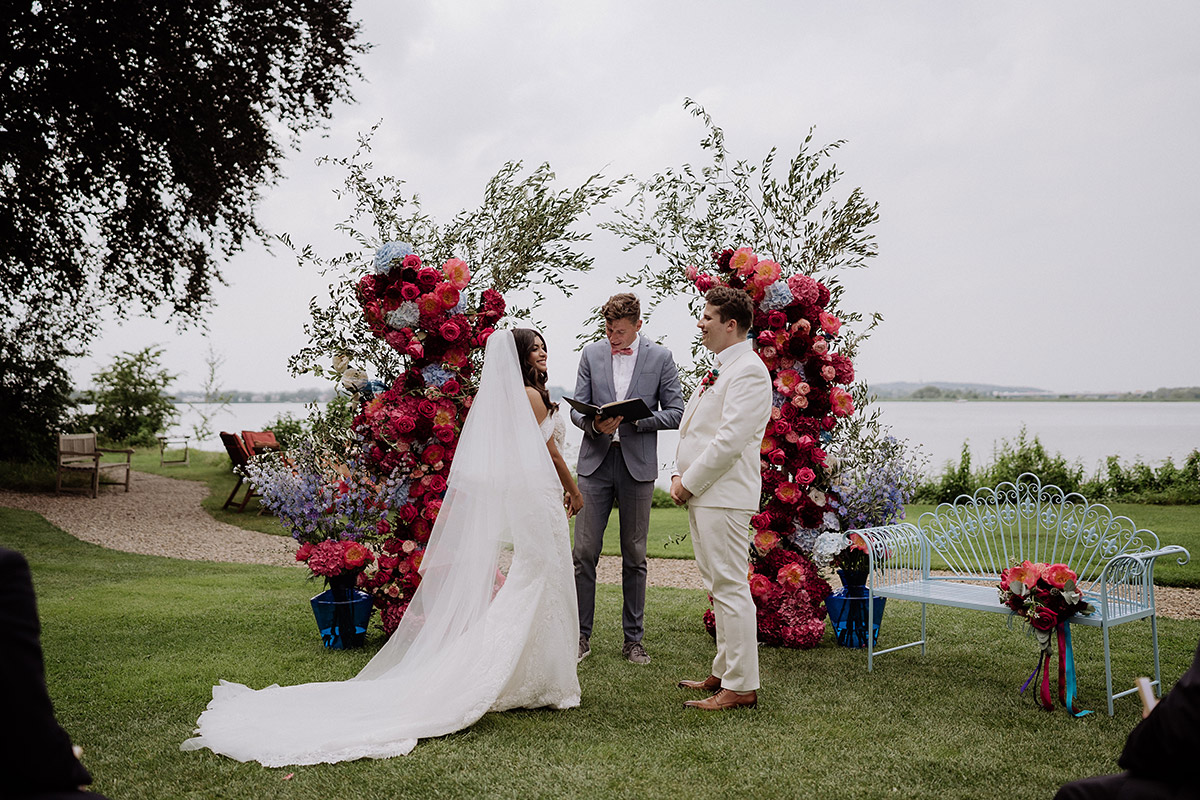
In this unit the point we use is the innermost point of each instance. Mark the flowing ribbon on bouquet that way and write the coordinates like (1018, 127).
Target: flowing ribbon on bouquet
(1066, 671)
(1066, 675)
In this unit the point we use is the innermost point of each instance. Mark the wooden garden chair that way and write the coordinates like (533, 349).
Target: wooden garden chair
(239, 455)
(78, 453)
(259, 442)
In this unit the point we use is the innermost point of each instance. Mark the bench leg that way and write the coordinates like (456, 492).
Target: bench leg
(1154, 637)
(1107, 669)
(95, 484)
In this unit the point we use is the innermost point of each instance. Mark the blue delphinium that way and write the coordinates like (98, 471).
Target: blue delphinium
(876, 492)
(389, 252)
(317, 504)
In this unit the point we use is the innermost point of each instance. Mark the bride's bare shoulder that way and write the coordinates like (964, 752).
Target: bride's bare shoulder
(539, 406)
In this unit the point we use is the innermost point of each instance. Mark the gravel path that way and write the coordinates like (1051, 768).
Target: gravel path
(162, 517)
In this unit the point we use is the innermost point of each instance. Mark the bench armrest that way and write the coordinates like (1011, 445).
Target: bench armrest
(894, 549)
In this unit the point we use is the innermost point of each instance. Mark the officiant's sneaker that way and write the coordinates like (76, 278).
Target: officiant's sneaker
(725, 699)
(633, 651)
(585, 648)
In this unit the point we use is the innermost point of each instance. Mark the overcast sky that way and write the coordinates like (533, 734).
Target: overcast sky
(1035, 166)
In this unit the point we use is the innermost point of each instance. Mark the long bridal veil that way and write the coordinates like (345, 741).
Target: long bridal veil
(463, 648)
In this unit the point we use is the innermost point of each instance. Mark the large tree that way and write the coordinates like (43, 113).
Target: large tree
(136, 137)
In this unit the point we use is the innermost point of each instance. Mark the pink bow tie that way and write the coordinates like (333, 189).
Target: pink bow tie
(622, 351)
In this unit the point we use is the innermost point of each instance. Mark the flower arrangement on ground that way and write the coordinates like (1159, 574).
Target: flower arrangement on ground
(795, 336)
(387, 492)
(1047, 596)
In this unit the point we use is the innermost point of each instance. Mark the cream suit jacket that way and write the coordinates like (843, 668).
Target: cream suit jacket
(722, 430)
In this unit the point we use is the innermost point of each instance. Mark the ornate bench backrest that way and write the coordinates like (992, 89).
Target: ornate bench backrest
(984, 533)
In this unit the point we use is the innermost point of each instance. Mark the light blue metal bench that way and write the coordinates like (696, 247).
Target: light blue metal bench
(954, 556)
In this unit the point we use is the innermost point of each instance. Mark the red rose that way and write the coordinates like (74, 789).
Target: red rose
(1044, 618)
(428, 277)
(412, 261)
(383, 526)
(777, 319)
(450, 330)
(407, 513)
(304, 552)
(410, 291)
(451, 387)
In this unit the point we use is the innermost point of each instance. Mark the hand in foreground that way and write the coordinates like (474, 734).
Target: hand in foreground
(607, 425)
(573, 503)
(679, 492)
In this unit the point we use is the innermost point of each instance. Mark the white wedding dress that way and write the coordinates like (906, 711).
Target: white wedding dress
(463, 648)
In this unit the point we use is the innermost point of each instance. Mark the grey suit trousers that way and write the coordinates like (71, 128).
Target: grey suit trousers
(609, 481)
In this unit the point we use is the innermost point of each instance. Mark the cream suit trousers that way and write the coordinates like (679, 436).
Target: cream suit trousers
(721, 540)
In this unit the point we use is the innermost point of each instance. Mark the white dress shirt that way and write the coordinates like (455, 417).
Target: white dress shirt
(622, 368)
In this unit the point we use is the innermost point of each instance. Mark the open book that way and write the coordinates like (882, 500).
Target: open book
(632, 409)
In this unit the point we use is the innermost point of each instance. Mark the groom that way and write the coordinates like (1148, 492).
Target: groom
(718, 475)
(619, 459)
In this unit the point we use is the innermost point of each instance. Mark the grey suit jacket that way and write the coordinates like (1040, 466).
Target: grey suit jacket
(655, 380)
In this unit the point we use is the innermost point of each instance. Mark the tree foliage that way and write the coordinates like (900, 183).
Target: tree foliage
(135, 137)
(682, 215)
(35, 399)
(131, 400)
(521, 241)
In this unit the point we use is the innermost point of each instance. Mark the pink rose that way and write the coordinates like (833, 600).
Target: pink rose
(1057, 575)
(820, 346)
(828, 372)
(829, 323)
(743, 261)
(411, 261)
(704, 282)
(841, 402)
(451, 330)
(805, 476)
(457, 272)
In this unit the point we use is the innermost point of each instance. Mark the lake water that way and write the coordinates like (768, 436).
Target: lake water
(1082, 431)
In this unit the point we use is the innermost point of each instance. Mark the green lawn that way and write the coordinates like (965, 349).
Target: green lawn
(134, 643)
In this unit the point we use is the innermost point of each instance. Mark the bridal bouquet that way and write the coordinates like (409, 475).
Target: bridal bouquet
(1044, 594)
(1047, 596)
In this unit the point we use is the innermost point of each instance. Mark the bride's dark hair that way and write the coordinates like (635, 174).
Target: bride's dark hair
(525, 339)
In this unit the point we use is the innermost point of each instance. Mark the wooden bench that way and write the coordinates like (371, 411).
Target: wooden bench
(77, 452)
(954, 556)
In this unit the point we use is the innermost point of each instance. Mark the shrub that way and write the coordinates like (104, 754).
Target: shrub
(132, 404)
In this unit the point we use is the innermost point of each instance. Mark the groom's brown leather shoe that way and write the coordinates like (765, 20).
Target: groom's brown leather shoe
(710, 684)
(725, 699)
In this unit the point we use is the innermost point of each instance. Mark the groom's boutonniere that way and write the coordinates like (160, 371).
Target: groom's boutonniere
(709, 379)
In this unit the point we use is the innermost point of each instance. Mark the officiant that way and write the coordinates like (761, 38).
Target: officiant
(618, 460)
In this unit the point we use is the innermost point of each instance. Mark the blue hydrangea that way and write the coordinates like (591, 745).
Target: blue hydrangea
(406, 316)
(389, 252)
(435, 375)
(778, 296)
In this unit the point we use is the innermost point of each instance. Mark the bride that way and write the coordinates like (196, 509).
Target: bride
(463, 648)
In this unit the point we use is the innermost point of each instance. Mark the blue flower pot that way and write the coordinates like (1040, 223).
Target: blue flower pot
(342, 614)
(848, 615)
